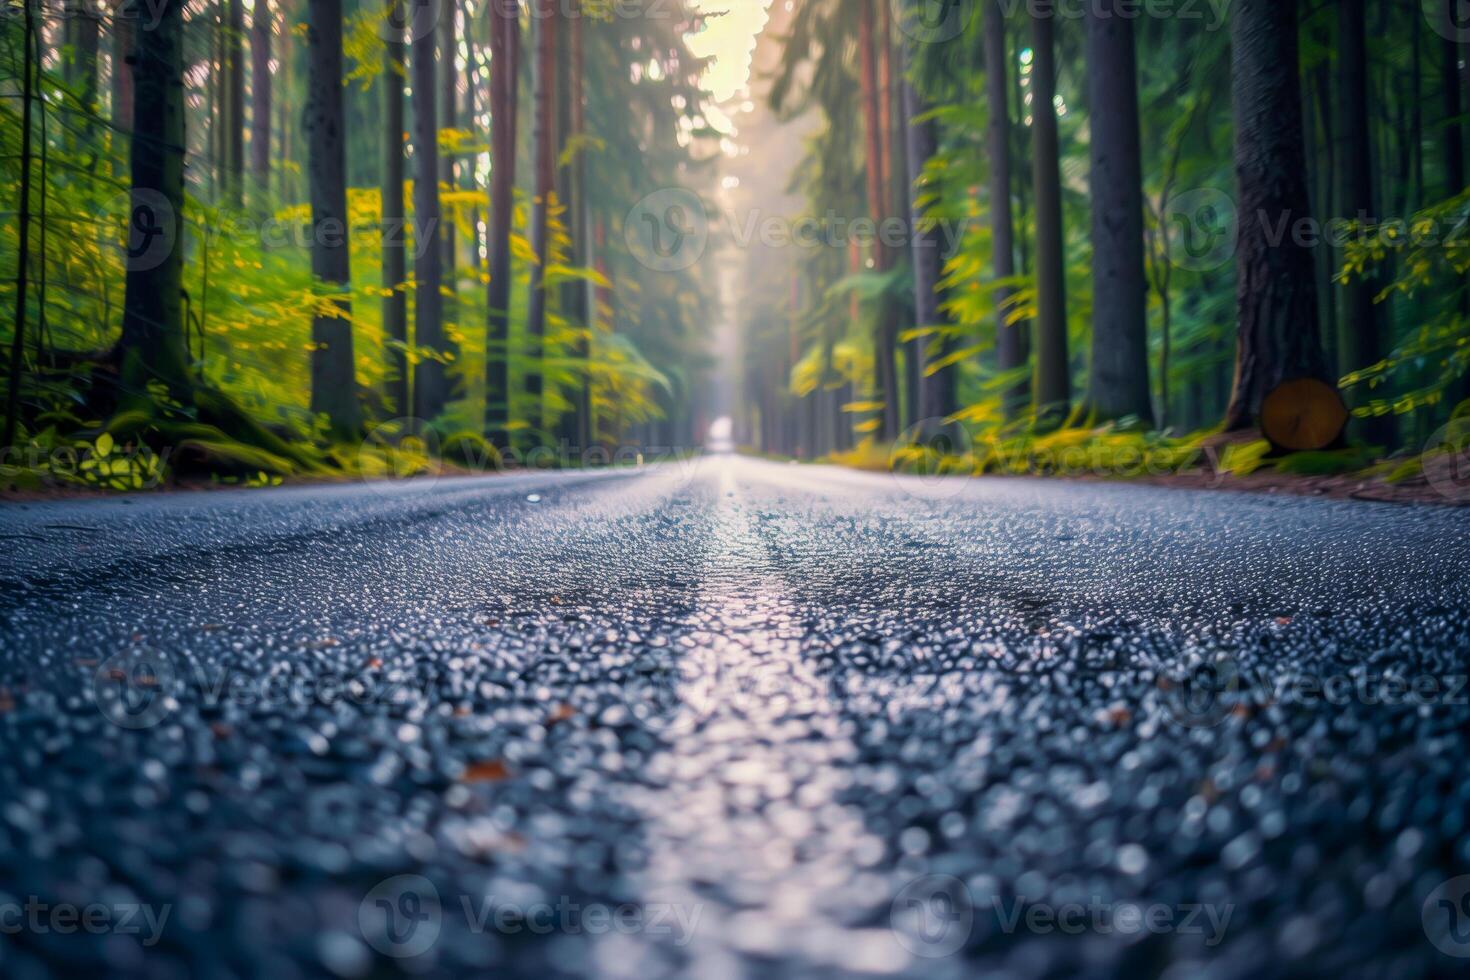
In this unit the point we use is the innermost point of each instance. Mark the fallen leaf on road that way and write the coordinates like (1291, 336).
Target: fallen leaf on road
(485, 772)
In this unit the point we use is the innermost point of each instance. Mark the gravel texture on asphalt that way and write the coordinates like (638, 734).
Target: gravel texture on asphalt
(728, 718)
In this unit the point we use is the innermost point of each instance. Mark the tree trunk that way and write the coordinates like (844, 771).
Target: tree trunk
(1052, 385)
(1119, 386)
(1276, 294)
(900, 204)
(153, 346)
(448, 103)
(428, 308)
(285, 180)
(84, 23)
(1416, 111)
(217, 99)
(471, 114)
(543, 164)
(394, 260)
(935, 392)
(884, 339)
(22, 277)
(260, 97)
(1454, 147)
(505, 35)
(333, 386)
(1359, 343)
(1454, 157)
(123, 20)
(1010, 341)
(235, 108)
(1326, 197)
(578, 305)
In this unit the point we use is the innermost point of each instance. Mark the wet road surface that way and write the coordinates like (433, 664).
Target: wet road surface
(729, 718)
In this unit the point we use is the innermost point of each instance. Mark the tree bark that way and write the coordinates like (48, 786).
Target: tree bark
(217, 99)
(333, 385)
(1326, 201)
(1276, 294)
(261, 28)
(394, 259)
(884, 338)
(152, 346)
(235, 109)
(82, 73)
(578, 306)
(429, 391)
(449, 119)
(123, 20)
(1359, 342)
(543, 164)
(1052, 384)
(1119, 385)
(935, 392)
(22, 276)
(1454, 158)
(505, 35)
(1010, 341)
(1454, 146)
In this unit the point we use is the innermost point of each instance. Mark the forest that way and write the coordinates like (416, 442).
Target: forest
(256, 240)
(285, 238)
(722, 489)
(1129, 224)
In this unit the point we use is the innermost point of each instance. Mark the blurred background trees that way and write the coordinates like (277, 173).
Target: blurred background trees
(426, 224)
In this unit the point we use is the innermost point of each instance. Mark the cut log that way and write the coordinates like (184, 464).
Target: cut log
(1302, 415)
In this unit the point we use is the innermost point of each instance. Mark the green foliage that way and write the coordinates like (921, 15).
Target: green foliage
(250, 296)
(1428, 254)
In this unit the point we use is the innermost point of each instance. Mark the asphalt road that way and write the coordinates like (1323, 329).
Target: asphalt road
(733, 719)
